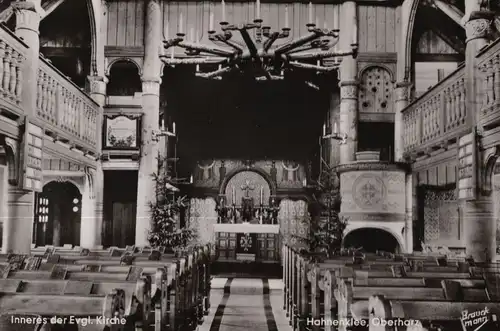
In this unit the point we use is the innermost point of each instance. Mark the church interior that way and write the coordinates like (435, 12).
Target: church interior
(218, 165)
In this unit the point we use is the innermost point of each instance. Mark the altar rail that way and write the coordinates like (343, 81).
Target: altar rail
(63, 108)
(437, 116)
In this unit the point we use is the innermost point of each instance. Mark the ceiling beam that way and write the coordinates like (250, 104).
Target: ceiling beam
(451, 11)
(45, 10)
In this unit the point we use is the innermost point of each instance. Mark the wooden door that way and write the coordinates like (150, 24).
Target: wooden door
(123, 224)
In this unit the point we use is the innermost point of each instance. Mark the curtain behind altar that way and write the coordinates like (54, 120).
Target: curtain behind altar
(202, 217)
(294, 220)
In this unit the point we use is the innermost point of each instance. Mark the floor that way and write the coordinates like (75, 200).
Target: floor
(246, 304)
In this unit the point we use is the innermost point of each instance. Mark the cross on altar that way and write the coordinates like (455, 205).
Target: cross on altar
(247, 187)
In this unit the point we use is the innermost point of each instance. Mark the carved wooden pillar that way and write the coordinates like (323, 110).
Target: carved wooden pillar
(93, 195)
(27, 25)
(150, 118)
(348, 85)
(409, 213)
(402, 100)
(479, 223)
(18, 227)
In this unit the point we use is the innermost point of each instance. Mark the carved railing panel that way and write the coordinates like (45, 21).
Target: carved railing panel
(69, 112)
(437, 114)
(489, 88)
(12, 64)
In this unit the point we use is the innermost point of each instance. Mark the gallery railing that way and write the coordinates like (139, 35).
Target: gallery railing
(64, 110)
(488, 94)
(437, 115)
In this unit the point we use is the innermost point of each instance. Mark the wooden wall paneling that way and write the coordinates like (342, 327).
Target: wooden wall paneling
(431, 43)
(432, 173)
(131, 23)
(423, 178)
(372, 29)
(451, 173)
(441, 174)
(112, 23)
(380, 29)
(398, 44)
(390, 29)
(362, 28)
(139, 24)
(122, 23)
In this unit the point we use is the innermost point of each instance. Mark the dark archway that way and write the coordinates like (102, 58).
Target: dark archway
(57, 215)
(372, 239)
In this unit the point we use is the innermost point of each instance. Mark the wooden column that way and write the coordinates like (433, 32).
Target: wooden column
(18, 227)
(479, 223)
(348, 85)
(151, 108)
(402, 100)
(409, 213)
(93, 202)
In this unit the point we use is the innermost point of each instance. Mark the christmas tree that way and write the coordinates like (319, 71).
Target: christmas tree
(326, 232)
(165, 211)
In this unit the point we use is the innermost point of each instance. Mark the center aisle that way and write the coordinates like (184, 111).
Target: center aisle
(246, 303)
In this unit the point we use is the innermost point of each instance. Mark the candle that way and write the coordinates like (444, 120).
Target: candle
(191, 179)
(173, 127)
(181, 24)
(325, 24)
(310, 12)
(316, 21)
(223, 11)
(286, 17)
(211, 27)
(261, 195)
(172, 53)
(335, 127)
(304, 182)
(166, 31)
(197, 68)
(162, 125)
(324, 130)
(257, 9)
(234, 196)
(355, 33)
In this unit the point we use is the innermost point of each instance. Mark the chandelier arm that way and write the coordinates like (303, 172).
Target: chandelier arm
(312, 66)
(254, 53)
(207, 49)
(297, 42)
(215, 73)
(270, 41)
(229, 43)
(300, 49)
(322, 55)
(204, 60)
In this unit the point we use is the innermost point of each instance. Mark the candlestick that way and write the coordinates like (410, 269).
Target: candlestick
(286, 17)
(223, 4)
(211, 24)
(173, 127)
(324, 129)
(181, 23)
(310, 12)
(257, 9)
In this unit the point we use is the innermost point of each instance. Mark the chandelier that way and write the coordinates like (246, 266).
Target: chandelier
(256, 52)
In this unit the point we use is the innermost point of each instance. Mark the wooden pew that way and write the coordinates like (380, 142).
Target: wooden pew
(105, 311)
(379, 308)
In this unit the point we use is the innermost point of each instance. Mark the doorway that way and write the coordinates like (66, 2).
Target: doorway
(377, 137)
(371, 240)
(57, 215)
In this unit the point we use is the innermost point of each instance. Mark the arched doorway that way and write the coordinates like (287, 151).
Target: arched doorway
(57, 215)
(372, 239)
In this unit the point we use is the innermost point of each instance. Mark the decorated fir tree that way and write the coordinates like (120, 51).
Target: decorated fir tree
(165, 211)
(327, 228)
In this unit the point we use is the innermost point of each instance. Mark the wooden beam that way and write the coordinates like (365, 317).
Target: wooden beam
(452, 12)
(6, 14)
(50, 6)
(439, 57)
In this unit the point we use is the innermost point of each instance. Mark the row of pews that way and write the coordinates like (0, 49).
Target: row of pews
(378, 292)
(62, 288)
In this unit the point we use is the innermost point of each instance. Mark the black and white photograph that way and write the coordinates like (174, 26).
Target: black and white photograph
(264, 165)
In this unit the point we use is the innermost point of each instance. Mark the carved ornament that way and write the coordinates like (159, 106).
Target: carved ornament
(477, 28)
(403, 91)
(27, 16)
(349, 90)
(151, 86)
(98, 84)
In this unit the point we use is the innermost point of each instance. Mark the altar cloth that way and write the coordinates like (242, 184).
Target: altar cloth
(247, 228)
